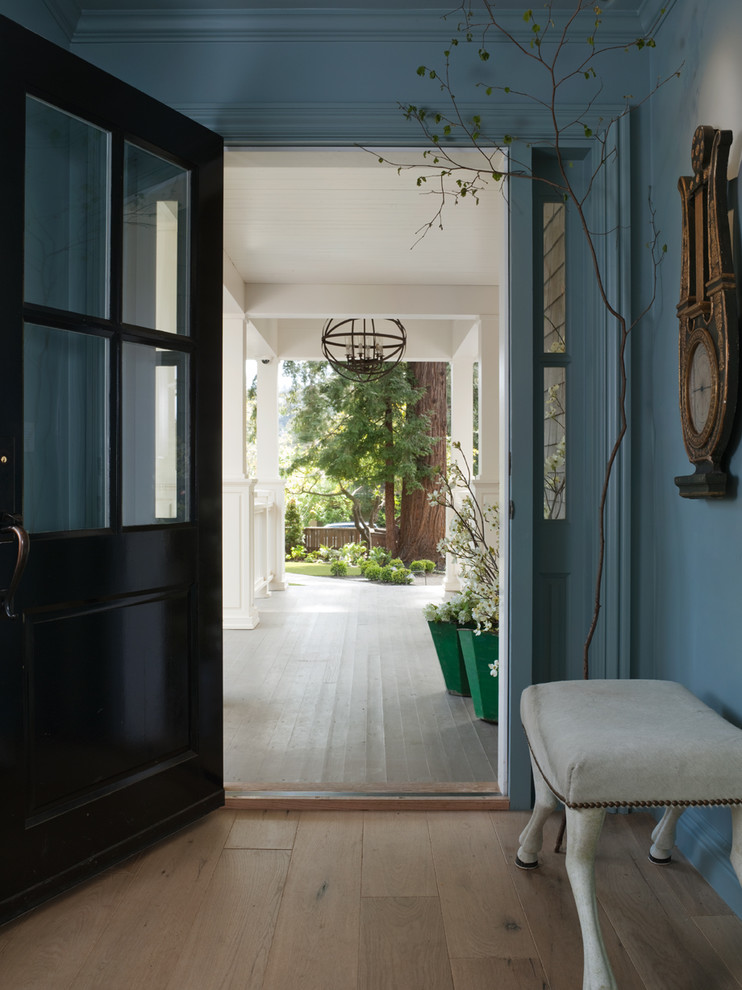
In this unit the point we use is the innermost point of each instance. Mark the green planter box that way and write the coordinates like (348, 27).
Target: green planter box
(479, 652)
(446, 642)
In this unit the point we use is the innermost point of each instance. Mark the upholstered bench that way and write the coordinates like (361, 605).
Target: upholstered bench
(606, 744)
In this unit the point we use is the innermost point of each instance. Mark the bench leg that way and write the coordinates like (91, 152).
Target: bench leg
(736, 856)
(663, 836)
(532, 837)
(583, 831)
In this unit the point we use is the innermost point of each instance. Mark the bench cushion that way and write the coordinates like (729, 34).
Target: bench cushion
(631, 743)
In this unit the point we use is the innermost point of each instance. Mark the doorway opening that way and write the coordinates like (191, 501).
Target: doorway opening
(310, 235)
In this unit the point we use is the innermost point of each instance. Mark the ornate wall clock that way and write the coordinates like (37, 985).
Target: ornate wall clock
(709, 332)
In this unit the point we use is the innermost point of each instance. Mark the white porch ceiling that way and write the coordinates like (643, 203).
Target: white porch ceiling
(314, 234)
(339, 217)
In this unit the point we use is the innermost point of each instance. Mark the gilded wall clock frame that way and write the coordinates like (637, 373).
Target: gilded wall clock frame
(707, 311)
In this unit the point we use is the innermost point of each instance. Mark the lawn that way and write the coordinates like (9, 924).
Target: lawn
(319, 569)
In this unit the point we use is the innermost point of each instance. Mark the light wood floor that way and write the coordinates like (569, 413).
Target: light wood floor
(372, 901)
(340, 684)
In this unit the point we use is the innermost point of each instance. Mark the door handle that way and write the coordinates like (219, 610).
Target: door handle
(13, 525)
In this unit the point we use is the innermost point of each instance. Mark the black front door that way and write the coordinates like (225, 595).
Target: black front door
(110, 460)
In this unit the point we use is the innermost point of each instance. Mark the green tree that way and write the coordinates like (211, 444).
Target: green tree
(365, 439)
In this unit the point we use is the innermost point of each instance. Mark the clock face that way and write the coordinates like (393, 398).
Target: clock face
(701, 380)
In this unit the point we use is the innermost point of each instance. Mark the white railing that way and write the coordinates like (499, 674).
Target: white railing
(253, 540)
(265, 523)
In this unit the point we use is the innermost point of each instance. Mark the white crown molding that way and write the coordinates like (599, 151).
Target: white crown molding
(320, 25)
(369, 124)
(66, 13)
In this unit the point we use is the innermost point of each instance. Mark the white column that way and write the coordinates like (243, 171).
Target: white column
(267, 461)
(238, 500)
(489, 399)
(267, 419)
(237, 490)
(233, 398)
(487, 484)
(462, 432)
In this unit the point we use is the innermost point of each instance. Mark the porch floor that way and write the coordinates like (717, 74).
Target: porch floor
(340, 684)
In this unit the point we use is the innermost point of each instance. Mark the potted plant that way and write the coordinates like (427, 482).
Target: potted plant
(473, 539)
(444, 621)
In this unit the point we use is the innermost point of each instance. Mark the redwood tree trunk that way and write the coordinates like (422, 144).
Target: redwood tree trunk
(423, 525)
(391, 536)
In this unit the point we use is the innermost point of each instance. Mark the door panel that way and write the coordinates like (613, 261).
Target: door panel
(110, 418)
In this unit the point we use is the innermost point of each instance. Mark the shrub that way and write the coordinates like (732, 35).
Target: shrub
(379, 555)
(354, 553)
(372, 571)
(396, 562)
(422, 566)
(338, 568)
(400, 575)
(386, 573)
(297, 553)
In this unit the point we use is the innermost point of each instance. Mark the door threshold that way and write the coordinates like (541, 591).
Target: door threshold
(484, 796)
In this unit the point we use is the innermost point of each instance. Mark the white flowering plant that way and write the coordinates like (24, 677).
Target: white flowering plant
(473, 539)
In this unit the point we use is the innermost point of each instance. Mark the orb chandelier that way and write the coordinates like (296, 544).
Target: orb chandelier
(358, 349)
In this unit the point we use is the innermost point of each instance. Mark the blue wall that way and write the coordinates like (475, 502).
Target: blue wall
(687, 554)
(36, 17)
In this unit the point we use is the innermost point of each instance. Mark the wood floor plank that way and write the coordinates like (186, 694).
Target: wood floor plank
(403, 945)
(499, 974)
(680, 876)
(725, 935)
(315, 945)
(397, 857)
(46, 949)
(667, 949)
(228, 944)
(482, 913)
(263, 830)
(148, 929)
(548, 902)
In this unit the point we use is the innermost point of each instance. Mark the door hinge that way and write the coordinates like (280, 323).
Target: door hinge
(511, 509)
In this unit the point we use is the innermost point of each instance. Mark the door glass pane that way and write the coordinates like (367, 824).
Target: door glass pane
(156, 255)
(67, 211)
(65, 460)
(555, 443)
(156, 444)
(555, 341)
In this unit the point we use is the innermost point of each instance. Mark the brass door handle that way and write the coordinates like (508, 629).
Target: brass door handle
(13, 525)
